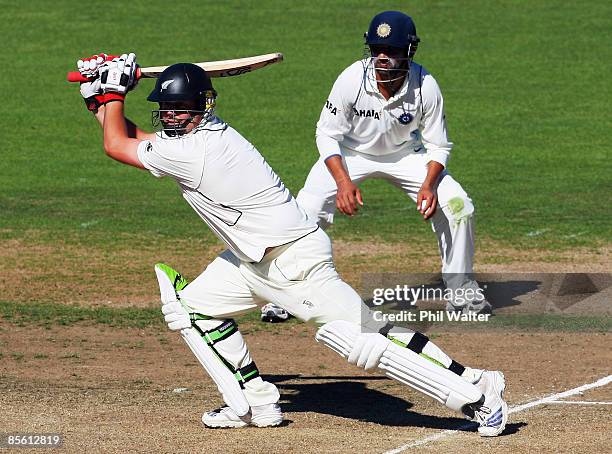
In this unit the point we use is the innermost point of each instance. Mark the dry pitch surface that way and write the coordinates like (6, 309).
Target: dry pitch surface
(113, 390)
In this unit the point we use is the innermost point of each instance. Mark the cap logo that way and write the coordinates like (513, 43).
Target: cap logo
(165, 84)
(383, 30)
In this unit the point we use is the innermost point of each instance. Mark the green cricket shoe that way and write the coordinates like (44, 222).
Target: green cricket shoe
(170, 282)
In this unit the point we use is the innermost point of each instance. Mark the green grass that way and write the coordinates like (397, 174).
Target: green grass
(56, 314)
(540, 322)
(525, 84)
(53, 314)
(17, 356)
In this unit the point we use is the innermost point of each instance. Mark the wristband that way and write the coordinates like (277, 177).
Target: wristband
(110, 97)
(93, 103)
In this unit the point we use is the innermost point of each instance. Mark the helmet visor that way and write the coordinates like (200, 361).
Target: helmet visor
(177, 118)
(175, 122)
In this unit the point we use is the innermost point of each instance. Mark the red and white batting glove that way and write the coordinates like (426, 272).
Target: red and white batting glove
(91, 90)
(117, 77)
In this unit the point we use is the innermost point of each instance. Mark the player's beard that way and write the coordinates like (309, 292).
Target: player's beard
(174, 127)
(390, 70)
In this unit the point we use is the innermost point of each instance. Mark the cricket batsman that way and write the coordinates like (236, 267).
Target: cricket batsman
(274, 253)
(384, 118)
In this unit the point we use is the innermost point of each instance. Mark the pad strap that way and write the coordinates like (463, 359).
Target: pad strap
(417, 343)
(213, 336)
(218, 334)
(456, 368)
(247, 373)
(385, 329)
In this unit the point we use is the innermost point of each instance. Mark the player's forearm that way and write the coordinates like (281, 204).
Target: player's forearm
(434, 169)
(336, 168)
(117, 144)
(115, 127)
(99, 114)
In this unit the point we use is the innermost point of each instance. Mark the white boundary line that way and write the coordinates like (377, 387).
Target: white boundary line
(553, 398)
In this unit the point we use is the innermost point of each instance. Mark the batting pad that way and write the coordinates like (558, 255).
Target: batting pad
(224, 379)
(346, 339)
(338, 335)
(369, 350)
(166, 286)
(431, 379)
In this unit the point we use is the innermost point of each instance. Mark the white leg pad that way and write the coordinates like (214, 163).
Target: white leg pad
(369, 350)
(338, 335)
(346, 339)
(431, 379)
(168, 293)
(224, 379)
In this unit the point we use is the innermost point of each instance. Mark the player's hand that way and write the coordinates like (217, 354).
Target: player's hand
(427, 201)
(176, 316)
(89, 66)
(348, 198)
(91, 91)
(118, 76)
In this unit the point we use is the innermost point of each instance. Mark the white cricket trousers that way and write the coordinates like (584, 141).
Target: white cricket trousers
(300, 277)
(452, 222)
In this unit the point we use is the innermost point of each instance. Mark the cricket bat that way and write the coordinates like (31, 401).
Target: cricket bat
(220, 68)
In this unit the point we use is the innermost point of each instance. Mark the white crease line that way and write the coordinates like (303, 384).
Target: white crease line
(572, 392)
(424, 441)
(545, 400)
(578, 402)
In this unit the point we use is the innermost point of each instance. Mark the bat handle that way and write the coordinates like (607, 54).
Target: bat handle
(75, 76)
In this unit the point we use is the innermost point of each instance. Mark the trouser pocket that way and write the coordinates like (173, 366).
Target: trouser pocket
(306, 254)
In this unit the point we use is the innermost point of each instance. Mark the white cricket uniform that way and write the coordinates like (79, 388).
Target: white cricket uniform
(360, 125)
(232, 188)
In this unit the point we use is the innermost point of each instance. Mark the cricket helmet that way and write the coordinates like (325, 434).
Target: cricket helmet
(182, 83)
(395, 29)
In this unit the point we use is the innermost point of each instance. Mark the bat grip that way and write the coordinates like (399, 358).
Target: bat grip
(75, 76)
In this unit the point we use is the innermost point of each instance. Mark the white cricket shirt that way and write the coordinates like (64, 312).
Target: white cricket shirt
(231, 187)
(357, 117)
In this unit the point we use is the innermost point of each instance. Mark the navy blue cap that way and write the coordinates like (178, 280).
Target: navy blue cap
(391, 28)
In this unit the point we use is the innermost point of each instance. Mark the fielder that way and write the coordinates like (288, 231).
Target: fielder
(274, 253)
(384, 118)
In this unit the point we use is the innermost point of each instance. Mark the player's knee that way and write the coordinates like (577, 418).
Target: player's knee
(316, 207)
(460, 208)
(310, 203)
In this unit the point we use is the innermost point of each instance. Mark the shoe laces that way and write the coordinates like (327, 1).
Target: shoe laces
(481, 413)
(219, 410)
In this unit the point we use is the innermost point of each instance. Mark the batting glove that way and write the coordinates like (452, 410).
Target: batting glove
(176, 316)
(91, 90)
(118, 77)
